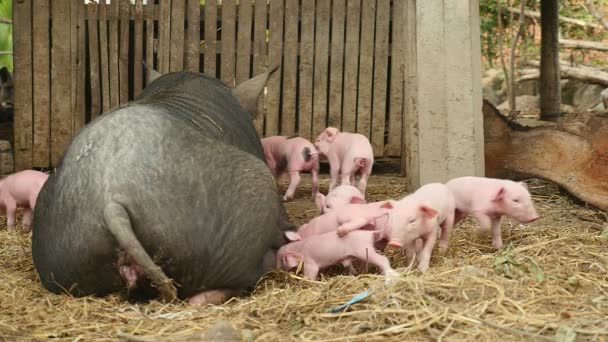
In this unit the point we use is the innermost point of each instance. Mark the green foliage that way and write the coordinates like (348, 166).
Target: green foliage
(6, 34)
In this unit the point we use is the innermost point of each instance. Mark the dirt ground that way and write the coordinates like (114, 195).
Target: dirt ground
(549, 283)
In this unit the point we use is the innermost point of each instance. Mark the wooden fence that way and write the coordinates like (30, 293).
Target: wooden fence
(341, 63)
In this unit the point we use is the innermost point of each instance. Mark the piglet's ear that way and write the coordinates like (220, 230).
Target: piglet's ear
(331, 133)
(428, 212)
(292, 236)
(524, 185)
(500, 194)
(387, 205)
(357, 200)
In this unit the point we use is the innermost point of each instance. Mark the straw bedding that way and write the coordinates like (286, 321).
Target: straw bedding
(550, 282)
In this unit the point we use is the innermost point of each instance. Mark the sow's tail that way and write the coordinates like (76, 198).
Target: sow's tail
(117, 220)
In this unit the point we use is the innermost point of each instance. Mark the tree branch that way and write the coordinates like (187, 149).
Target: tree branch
(535, 14)
(583, 44)
(596, 13)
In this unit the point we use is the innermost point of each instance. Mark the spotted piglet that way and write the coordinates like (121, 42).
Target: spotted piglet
(487, 200)
(321, 251)
(20, 190)
(292, 155)
(339, 196)
(347, 153)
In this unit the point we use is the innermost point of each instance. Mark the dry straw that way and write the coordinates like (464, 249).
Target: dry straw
(550, 283)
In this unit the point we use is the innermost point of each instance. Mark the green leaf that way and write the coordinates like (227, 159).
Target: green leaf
(536, 270)
(604, 234)
(565, 334)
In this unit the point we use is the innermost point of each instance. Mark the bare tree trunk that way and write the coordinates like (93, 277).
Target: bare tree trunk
(550, 91)
(501, 53)
(522, 20)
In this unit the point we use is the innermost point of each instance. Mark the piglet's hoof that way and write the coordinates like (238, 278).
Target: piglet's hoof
(391, 276)
(287, 198)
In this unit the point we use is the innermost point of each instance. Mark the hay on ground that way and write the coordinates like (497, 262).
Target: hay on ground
(550, 280)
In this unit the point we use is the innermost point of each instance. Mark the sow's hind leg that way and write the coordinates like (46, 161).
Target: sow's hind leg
(117, 220)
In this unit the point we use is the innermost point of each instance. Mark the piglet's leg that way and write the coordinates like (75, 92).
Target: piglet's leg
(379, 261)
(334, 172)
(27, 220)
(351, 225)
(11, 211)
(315, 180)
(294, 180)
(496, 232)
(446, 230)
(214, 297)
(484, 221)
(348, 264)
(365, 173)
(427, 250)
(310, 270)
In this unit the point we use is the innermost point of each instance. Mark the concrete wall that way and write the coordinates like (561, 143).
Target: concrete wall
(443, 136)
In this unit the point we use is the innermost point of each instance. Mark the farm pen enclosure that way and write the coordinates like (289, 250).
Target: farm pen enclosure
(350, 64)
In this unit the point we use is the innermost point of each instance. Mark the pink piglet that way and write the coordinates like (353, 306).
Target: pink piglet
(20, 190)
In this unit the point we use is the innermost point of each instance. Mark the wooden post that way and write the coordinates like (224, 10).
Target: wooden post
(550, 92)
(443, 129)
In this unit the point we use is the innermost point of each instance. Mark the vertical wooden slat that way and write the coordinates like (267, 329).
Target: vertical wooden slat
(228, 36)
(138, 42)
(80, 114)
(351, 65)
(149, 37)
(211, 37)
(61, 114)
(383, 12)
(243, 44)
(290, 68)
(396, 89)
(22, 34)
(164, 27)
(275, 51)
(319, 110)
(410, 143)
(366, 67)
(73, 60)
(306, 64)
(177, 36)
(42, 86)
(94, 61)
(124, 51)
(259, 59)
(103, 59)
(337, 64)
(194, 35)
(113, 54)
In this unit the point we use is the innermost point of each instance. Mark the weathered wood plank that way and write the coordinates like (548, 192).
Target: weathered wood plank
(103, 59)
(319, 110)
(259, 59)
(22, 34)
(228, 32)
(138, 42)
(194, 35)
(395, 116)
(211, 37)
(351, 66)
(94, 61)
(163, 51)
(243, 49)
(61, 111)
(366, 68)
(80, 114)
(177, 35)
(113, 55)
(149, 38)
(290, 68)
(73, 61)
(383, 11)
(42, 84)
(307, 35)
(275, 52)
(124, 51)
(337, 64)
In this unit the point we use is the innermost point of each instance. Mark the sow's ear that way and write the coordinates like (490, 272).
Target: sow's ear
(152, 74)
(248, 92)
